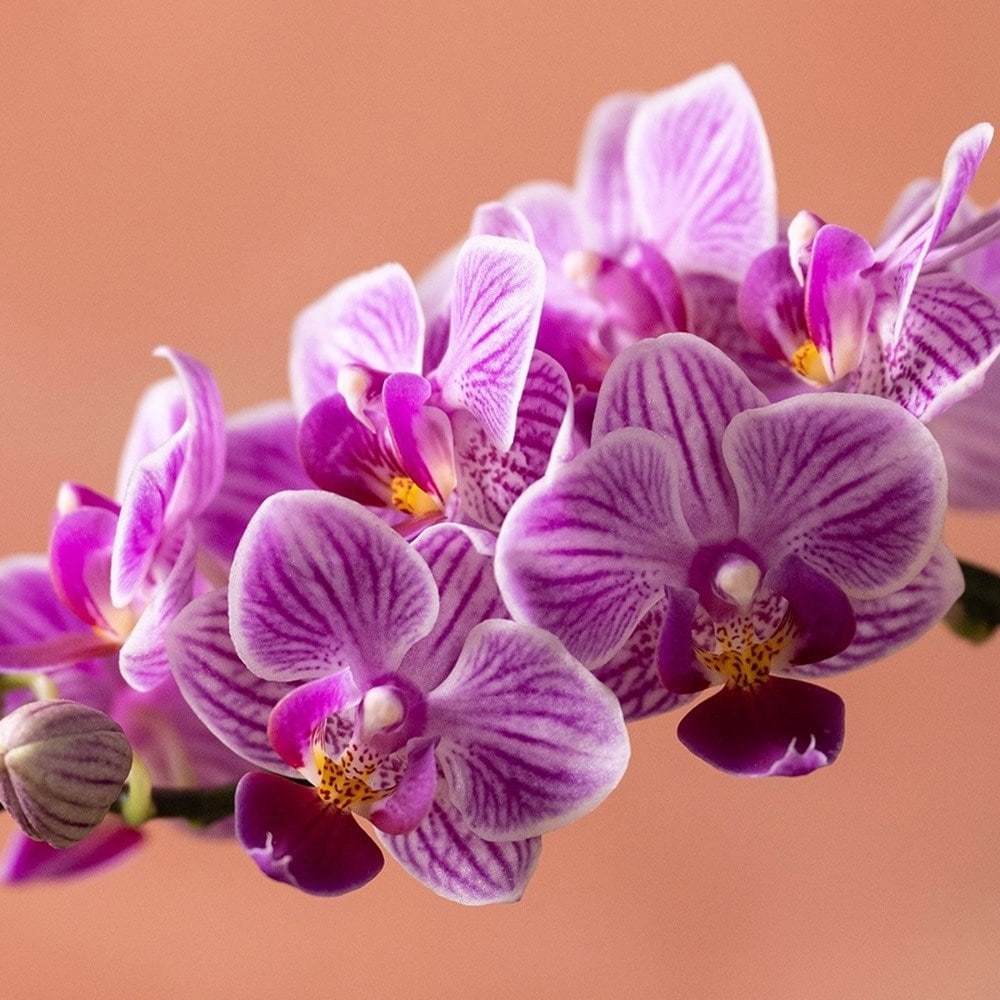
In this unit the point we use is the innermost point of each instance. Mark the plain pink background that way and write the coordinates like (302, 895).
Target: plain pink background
(195, 174)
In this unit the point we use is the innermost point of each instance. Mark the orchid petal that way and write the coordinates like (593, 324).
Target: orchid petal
(688, 392)
(552, 213)
(80, 562)
(679, 671)
(262, 458)
(233, 703)
(530, 740)
(885, 624)
(159, 414)
(497, 219)
(969, 436)
(499, 287)
(903, 263)
(444, 854)
(838, 298)
(293, 837)
(36, 628)
(490, 480)
(772, 305)
(461, 562)
(296, 719)
(411, 800)
(601, 181)
(319, 584)
(373, 320)
(852, 484)
(701, 176)
(779, 727)
(632, 673)
(586, 552)
(172, 484)
(26, 860)
(949, 336)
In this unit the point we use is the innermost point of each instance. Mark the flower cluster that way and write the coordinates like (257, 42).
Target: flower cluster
(630, 440)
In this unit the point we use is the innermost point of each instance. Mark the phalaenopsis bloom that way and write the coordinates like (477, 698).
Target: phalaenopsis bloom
(627, 441)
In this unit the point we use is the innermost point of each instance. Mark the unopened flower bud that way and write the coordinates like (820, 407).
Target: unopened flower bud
(62, 766)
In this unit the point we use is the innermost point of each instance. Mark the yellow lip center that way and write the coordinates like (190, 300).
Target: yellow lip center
(739, 655)
(409, 498)
(807, 362)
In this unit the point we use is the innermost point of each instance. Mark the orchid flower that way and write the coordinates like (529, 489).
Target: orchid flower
(718, 540)
(376, 429)
(675, 196)
(892, 320)
(382, 675)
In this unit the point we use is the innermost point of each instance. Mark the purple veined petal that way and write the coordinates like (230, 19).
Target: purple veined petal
(838, 298)
(173, 483)
(903, 263)
(886, 624)
(293, 837)
(499, 287)
(824, 617)
(28, 861)
(913, 206)
(981, 267)
(568, 331)
(490, 480)
(319, 584)
(422, 434)
(296, 719)
(529, 739)
(780, 727)
(949, 337)
(461, 561)
(262, 458)
(73, 496)
(586, 552)
(373, 320)
(497, 219)
(232, 703)
(143, 657)
(342, 455)
(772, 305)
(688, 392)
(678, 670)
(969, 436)
(632, 673)
(802, 232)
(159, 415)
(714, 315)
(407, 807)
(36, 629)
(80, 563)
(444, 854)
(701, 176)
(852, 484)
(552, 212)
(601, 181)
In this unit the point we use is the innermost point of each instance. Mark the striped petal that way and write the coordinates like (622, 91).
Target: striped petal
(373, 320)
(172, 484)
(853, 484)
(461, 560)
(586, 552)
(233, 703)
(319, 584)
(489, 479)
(499, 286)
(530, 740)
(456, 863)
(701, 176)
(688, 392)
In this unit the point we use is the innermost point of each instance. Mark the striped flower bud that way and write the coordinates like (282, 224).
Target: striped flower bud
(62, 765)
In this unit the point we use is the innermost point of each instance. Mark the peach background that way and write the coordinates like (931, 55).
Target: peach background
(196, 173)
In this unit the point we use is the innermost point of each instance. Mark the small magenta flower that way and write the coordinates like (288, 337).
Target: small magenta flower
(383, 675)
(708, 538)
(894, 320)
(62, 766)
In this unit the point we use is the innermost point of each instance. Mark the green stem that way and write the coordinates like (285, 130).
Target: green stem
(976, 614)
(200, 806)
